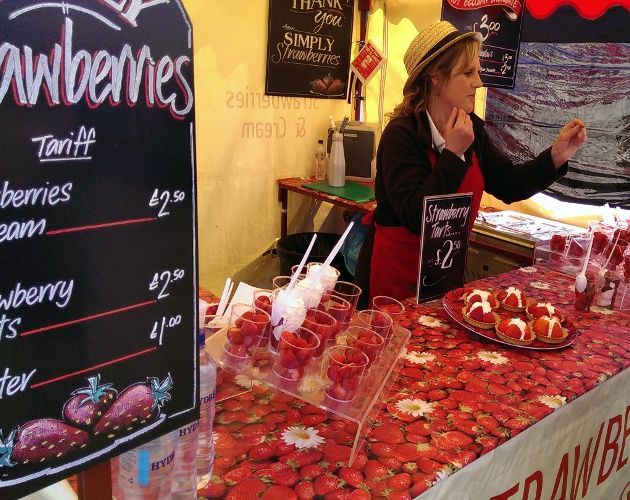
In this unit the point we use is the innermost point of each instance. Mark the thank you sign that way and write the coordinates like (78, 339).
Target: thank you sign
(443, 245)
(98, 340)
(308, 48)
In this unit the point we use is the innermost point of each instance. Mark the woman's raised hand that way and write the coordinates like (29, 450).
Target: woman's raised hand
(458, 132)
(571, 137)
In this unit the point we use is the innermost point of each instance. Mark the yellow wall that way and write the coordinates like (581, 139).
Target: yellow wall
(238, 209)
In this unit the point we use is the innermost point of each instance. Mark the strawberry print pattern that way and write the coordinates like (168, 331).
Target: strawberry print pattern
(457, 396)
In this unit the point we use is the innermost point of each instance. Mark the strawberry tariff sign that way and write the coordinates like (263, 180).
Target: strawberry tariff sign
(98, 290)
(308, 48)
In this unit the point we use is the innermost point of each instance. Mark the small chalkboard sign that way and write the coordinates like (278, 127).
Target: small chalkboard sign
(98, 288)
(443, 244)
(499, 24)
(308, 48)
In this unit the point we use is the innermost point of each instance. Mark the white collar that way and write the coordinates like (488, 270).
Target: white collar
(436, 137)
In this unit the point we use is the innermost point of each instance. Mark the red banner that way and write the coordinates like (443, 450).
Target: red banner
(588, 9)
(514, 5)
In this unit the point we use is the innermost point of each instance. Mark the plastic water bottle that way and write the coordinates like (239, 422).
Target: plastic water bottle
(321, 161)
(185, 473)
(146, 472)
(207, 394)
(337, 162)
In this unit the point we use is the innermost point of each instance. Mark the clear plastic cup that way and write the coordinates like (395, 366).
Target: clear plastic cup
(345, 368)
(295, 351)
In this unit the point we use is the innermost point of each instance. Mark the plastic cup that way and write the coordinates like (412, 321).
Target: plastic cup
(394, 308)
(280, 282)
(366, 340)
(346, 366)
(311, 292)
(287, 313)
(558, 243)
(584, 300)
(626, 265)
(613, 253)
(376, 320)
(262, 299)
(247, 326)
(329, 279)
(295, 352)
(341, 310)
(213, 324)
(324, 326)
(348, 291)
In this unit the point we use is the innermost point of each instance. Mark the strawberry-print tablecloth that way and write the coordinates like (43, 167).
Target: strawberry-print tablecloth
(457, 397)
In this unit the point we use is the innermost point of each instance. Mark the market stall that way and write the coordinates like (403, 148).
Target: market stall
(467, 416)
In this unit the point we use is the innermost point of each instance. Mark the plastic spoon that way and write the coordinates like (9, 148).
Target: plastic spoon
(580, 279)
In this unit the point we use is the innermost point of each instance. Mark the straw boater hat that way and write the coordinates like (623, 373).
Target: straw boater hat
(429, 43)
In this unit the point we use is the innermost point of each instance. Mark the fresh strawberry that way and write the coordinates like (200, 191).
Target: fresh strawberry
(250, 487)
(135, 406)
(299, 459)
(351, 476)
(388, 433)
(375, 470)
(305, 490)
(214, 488)
(41, 441)
(311, 471)
(399, 482)
(87, 405)
(279, 491)
(325, 484)
(286, 477)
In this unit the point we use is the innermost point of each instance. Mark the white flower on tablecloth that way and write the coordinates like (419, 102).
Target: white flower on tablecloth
(312, 383)
(429, 321)
(554, 402)
(419, 358)
(602, 310)
(302, 437)
(528, 270)
(540, 285)
(416, 407)
(247, 381)
(492, 357)
(441, 474)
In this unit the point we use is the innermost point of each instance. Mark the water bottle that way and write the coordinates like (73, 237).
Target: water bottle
(146, 472)
(321, 161)
(207, 394)
(185, 473)
(337, 162)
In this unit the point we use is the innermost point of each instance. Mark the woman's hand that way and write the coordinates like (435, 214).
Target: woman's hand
(569, 140)
(458, 132)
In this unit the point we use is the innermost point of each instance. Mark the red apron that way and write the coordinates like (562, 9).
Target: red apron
(396, 251)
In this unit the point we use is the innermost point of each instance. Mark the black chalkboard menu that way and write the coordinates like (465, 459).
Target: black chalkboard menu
(443, 245)
(499, 22)
(98, 289)
(308, 48)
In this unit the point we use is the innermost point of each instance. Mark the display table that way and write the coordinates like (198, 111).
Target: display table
(294, 184)
(467, 417)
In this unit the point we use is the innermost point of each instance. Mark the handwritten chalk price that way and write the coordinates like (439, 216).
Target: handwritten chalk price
(164, 199)
(444, 257)
(157, 332)
(161, 281)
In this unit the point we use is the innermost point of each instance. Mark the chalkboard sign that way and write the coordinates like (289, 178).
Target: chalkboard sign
(308, 48)
(98, 289)
(443, 245)
(499, 22)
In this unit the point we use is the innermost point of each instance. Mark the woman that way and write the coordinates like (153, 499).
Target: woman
(434, 144)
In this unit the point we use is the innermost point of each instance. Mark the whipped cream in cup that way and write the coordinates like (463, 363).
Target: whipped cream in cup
(287, 313)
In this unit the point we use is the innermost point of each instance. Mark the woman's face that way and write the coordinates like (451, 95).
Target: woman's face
(458, 91)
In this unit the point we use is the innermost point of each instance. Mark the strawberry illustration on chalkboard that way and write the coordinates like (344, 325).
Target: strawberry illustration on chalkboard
(40, 441)
(135, 406)
(87, 405)
(327, 86)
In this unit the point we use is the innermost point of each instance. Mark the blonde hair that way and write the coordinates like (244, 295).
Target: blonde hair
(415, 100)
